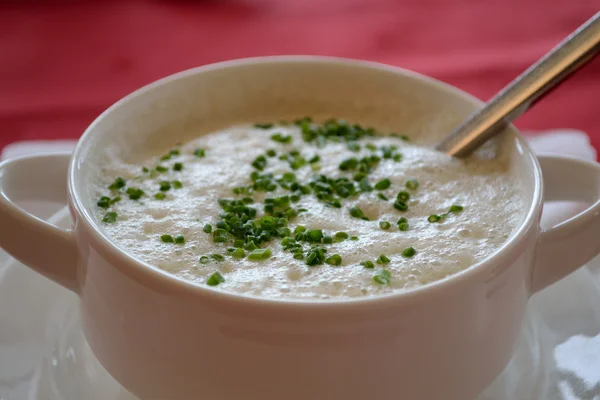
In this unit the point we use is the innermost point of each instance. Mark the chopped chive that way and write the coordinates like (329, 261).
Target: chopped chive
(160, 168)
(314, 159)
(364, 185)
(327, 239)
(179, 239)
(353, 146)
(204, 260)
(341, 236)
(299, 229)
(409, 252)
(135, 193)
(167, 238)
(348, 164)
(220, 235)
(263, 125)
(400, 205)
(384, 225)
(434, 218)
(278, 137)
(110, 217)
(177, 166)
(397, 157)
(271, 153)
(371, 146)
(314, 235)
(403, 196)
(207, 228)
(217, 257)
(199, 153)
(118, 184)
(238, 253)
(260, 163)
(402, 224)
(260, 254)
(160, 196)
(353, 237)
(382, 196)
(357, 213)
(215, 279)
(412, 184)
(334, 259)
(115, 200)
(145, 170)
(368, 264)
(383, 184)
(164, 186)
(382, 276)
(455, 208)
(177, 184)
(250, 246)
(383, 259)
(104, 202)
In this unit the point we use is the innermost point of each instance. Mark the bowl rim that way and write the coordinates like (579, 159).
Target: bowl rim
(152, 276)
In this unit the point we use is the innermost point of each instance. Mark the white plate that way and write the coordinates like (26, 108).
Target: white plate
(44, 356)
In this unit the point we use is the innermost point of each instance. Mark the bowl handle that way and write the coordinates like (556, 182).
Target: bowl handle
(569, 245)
(44, 247)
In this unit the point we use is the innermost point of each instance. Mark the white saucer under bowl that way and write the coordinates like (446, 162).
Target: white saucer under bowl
(44, 356)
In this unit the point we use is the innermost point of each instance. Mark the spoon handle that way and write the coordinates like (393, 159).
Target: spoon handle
(528, 88)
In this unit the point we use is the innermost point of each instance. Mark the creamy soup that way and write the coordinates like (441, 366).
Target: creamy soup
(307, 210)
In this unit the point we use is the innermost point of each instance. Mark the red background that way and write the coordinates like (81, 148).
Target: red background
(63, 62)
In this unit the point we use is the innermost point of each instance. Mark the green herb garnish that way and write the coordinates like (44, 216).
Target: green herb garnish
(160, 168)
(271, 153)
(409, 252)
(383, 184)
(204, 260)
(353, 146)
(383, 259)
(110, 217)
(341, 236)
(217, 257)
(238, 253)
(278, 137)
(384, 225)
(104, 202)
(382, 196)
(179, 239)
(357, 213)
(402, 224)
(383, 276)
(368, 264)
(135, 193)
(412, 184)
(164, 186)
(260, 163)
(263, 125)
(207, 228)
(119, 183)
(314, 235)
(260, 254)
(160, 196)
(434, 218)
(200, 153)
(215, 279)
(334, 259)
(167, 239)
(177, 166)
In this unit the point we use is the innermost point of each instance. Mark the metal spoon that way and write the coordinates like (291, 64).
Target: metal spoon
(531, 86)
